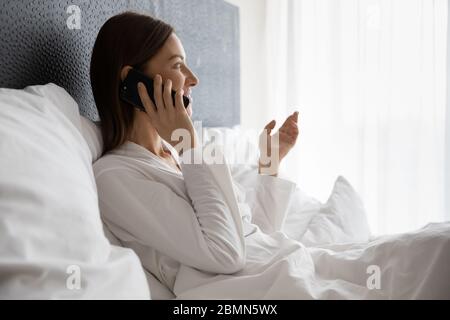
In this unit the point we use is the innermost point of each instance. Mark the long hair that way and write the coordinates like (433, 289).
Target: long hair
(125, 39)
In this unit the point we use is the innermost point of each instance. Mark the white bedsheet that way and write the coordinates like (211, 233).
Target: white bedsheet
(335, 257)
(413, 265)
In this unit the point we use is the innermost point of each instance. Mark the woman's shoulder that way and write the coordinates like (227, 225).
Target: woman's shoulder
(126, 158)
(117, 159)
(127, 161)
(111, 164)
(130, 163)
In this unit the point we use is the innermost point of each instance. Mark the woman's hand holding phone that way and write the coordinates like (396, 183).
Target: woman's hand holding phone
(167, 117)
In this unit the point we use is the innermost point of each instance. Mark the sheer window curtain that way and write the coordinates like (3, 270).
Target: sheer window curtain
(369, 78)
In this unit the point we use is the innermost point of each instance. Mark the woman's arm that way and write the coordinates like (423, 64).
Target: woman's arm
(204, 233)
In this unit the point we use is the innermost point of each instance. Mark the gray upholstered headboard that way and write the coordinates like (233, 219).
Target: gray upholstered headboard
(38, 46)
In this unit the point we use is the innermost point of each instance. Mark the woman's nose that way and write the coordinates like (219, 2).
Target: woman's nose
(191, 79)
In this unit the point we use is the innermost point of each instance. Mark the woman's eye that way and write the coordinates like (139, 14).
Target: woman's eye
(177, 66)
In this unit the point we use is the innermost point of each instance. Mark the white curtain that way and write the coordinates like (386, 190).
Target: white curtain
(369, 80)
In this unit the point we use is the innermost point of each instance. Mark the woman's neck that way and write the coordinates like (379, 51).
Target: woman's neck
(145, 135)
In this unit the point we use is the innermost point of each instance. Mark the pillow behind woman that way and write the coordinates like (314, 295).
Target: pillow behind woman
(52, 244)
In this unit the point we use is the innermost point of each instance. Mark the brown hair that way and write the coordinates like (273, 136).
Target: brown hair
(125, 39)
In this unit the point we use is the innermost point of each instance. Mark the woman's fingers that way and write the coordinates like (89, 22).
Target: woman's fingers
(168, 95)
(179, 104)
(157, 84)
(146, 101)
(269, 127)
(286, 137)
(293, 118)
(290, 124)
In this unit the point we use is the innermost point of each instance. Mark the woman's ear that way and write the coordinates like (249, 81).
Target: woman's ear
(124, 72)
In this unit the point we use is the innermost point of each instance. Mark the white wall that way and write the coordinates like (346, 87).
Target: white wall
(253, 101)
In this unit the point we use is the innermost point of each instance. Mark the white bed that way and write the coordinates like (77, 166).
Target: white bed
(335, 237)
(336, 233)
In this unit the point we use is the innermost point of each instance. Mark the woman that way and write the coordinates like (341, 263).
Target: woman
(190, 224)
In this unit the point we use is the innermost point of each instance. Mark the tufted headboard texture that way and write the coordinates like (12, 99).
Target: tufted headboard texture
(38, 46)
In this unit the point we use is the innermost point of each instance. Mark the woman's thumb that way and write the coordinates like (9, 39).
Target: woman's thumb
(270, 126)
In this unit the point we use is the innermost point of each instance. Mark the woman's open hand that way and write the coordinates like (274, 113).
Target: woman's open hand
(167, 117)
(286, 136)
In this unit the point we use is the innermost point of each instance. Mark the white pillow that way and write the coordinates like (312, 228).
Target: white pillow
(303, 208)
(51, 234)
(341, 219)
(93, 136)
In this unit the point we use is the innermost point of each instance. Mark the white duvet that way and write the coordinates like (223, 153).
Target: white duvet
(410, 266)
(335, 257)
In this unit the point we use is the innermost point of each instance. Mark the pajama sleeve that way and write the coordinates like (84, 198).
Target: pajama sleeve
(203, 232)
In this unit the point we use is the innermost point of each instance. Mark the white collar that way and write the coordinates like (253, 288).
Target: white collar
(134, 150)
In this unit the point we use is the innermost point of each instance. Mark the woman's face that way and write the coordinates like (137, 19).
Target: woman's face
(170, 63)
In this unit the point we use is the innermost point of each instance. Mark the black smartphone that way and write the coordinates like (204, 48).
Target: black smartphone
(129, 91)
